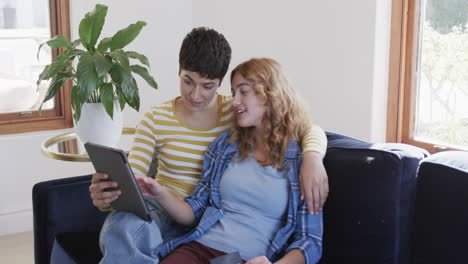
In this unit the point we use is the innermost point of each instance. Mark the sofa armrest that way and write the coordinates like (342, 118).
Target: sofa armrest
(441, 212)
(62, 205)
(368, 214)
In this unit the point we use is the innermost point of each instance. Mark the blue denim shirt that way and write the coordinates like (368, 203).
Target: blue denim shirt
(301, 231)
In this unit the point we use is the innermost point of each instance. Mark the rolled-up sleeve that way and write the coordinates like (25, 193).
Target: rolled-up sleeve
(307, 236)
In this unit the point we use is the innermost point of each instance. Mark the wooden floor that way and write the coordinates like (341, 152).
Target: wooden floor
(17, 248)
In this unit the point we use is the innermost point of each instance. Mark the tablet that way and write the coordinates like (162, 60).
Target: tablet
(114, 163)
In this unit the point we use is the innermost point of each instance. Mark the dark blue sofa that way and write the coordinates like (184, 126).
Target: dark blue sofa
(371, 215)
(63, 210)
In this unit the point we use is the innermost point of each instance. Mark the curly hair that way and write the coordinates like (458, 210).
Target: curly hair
(206, 52)
(285, 116)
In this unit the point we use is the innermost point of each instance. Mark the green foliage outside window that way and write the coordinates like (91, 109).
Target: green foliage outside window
(444, 75)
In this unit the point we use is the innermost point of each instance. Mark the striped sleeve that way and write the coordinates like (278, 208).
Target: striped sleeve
(144, 144)
(315, 141)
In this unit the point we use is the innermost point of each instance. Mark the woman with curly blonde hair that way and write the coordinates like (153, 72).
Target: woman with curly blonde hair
(248, 197)
(285, 115)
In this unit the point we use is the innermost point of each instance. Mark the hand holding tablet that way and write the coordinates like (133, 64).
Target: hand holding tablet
(100, 191)
(114, 163)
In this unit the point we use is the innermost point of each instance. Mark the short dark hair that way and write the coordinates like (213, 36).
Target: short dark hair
(206, 52)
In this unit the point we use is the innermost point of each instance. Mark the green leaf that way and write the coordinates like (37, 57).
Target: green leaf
(43, 74)
(143, 72)
(58, 65)
(87, 77)
(74, 96)
(104, 44)
(91, 26)
(122, 58)
(107, 98)
(128, 85)
(75, 43)
(122, 100)
(88, 47)
(39, 50)
(123, 37)
(134, 101)
(76, 102)
(58, 41)
(64, 56)
(138, 56)
(55, 85)
(77, 114)
(55, 67)
(102, 63)
(74, 53)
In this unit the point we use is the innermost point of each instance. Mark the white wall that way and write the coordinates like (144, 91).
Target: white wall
(328, 48)
(378, 120)
(335, 51)
(21, 160)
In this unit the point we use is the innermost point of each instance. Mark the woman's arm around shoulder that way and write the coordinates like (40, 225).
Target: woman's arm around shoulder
(313, 177)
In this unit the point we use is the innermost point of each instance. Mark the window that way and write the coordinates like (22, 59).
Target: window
(24, 25)
(428, 79)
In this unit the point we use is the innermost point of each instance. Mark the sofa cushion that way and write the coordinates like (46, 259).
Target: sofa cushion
(370, 204)
(441, 213)
(76, 247)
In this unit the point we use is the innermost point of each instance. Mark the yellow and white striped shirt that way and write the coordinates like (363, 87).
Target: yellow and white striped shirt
(180, 148)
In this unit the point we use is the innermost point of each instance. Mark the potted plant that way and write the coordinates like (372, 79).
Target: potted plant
(102, 76)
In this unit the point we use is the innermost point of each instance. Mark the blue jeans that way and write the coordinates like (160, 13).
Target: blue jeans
(126, 238)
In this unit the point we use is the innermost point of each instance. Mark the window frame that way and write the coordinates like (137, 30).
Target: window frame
(401, 101)
(61, 115)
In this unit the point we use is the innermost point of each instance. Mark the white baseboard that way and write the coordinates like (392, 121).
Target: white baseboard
(16, 222)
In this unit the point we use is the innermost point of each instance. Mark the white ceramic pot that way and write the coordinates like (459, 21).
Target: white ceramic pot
(96, 126)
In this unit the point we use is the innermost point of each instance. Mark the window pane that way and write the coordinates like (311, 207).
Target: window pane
(24, 25)
(442, 74)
